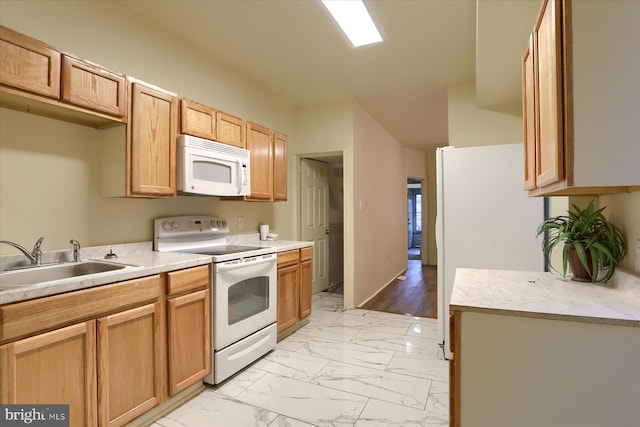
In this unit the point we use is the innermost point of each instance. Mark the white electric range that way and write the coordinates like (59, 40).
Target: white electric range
(243, 286)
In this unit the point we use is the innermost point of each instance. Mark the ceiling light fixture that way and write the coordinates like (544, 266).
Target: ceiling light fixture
(355, 21)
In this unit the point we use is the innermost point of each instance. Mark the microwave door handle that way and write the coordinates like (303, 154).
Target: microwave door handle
(239, 180)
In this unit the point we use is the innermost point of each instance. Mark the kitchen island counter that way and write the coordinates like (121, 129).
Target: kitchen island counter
(547, 295)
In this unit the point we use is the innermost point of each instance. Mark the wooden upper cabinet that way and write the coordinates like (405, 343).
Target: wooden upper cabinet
(151, 142)
(259, 143)
(92, 86)
(529, 116)
(197, 119)
(279, 166)
(53, 367)
(29, 64)
(549, 78)
(231, 130)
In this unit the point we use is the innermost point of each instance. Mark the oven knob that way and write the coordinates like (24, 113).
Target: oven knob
(166, 226)
(224, 224)
(219, 223)
(175, 225)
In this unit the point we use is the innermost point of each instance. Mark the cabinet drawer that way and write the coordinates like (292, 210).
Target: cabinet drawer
(306, 254)
(28, 317)
(28, 64)
(288, 257)
(188, 279)
(91, 86)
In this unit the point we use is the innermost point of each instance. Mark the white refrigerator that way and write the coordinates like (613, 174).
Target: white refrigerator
(484, 217)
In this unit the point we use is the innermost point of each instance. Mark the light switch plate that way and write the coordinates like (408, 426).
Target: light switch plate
(638, 255)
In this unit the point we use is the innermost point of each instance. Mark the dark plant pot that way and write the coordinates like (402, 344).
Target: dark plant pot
(580, 274)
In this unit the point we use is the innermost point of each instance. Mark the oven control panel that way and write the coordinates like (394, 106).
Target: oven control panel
(172, 230)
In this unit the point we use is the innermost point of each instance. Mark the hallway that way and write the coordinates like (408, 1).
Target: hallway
(416, 295)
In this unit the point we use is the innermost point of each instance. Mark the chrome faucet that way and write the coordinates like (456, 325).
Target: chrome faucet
(35, 256)
(76, 250)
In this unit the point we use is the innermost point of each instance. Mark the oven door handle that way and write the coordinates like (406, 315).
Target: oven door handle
(229, 265)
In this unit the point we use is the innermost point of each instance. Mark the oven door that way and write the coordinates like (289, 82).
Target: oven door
(245, 298)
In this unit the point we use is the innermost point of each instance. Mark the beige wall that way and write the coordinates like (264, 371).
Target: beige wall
(470, 126)
(624, 211)
(380, 221)
(376, 168)
(430, 241)
(327, 129)
(50, 175)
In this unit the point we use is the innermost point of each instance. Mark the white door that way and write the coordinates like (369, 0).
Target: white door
(314, 218)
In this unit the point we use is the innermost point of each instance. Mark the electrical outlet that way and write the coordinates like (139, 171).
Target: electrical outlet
(240, 222)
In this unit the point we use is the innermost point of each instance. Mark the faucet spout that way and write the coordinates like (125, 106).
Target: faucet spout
(37, 252)
(24, 251)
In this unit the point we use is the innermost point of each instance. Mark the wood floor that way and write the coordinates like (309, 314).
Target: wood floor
(416, 295)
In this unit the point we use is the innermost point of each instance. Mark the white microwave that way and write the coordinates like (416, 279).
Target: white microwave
(211, 168)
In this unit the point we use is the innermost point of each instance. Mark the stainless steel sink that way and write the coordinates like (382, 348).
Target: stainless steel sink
(31, 276)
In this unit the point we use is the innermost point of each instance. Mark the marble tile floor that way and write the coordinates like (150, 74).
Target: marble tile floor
(354, 368)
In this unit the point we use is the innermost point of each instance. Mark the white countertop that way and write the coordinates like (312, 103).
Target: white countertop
(140, 258)
(547, 295)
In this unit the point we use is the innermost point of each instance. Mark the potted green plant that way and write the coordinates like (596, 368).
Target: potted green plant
(593, 246)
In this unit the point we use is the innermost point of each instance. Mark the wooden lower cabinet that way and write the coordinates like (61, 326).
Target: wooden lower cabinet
(287, 296)
(53, 367)
(294, 289)
(131, 346)
(188, 339)
(130, 368)
(306, 277)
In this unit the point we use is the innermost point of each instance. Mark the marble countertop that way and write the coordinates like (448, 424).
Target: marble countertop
(547, 295)
(140, 260)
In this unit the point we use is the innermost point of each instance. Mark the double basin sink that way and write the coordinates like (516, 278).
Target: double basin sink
(33, 275)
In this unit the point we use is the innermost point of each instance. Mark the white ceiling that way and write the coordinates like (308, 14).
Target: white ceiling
(294, 48)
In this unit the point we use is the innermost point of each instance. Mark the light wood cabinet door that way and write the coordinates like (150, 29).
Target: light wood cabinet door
(91, 86)
(287, 297)
(306, 277)
(54, 367)
(231, 129)
(29, 64)
(189, 339)
(548, 76)
(529, 116)
(151, 142)
(197, 119)
(279, 166)
(259, 143)
(130, 364)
